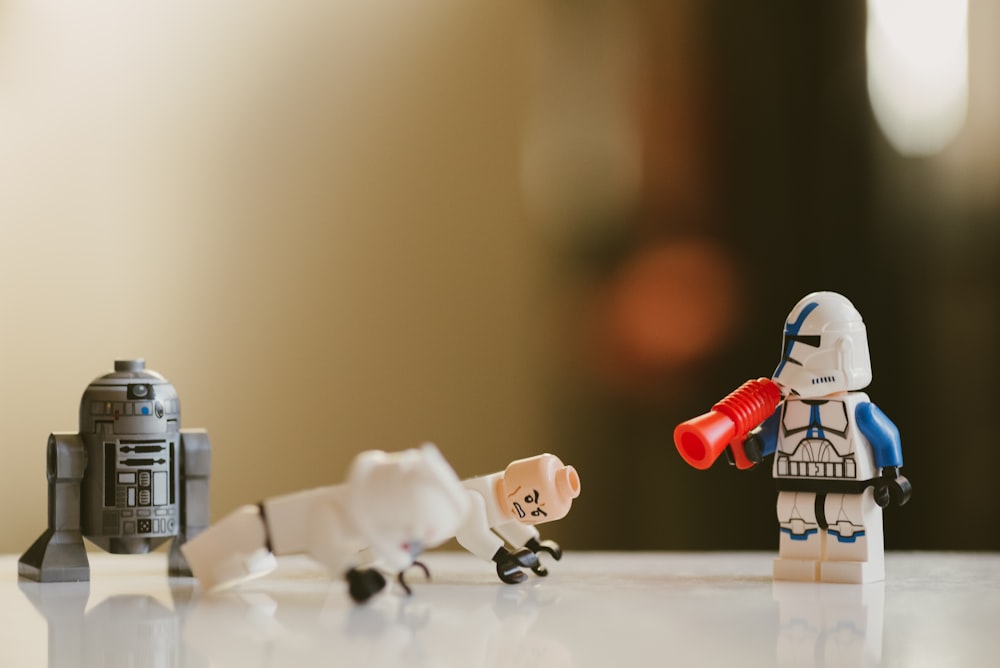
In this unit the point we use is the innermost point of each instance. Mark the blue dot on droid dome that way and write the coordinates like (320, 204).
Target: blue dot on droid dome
(145, 410)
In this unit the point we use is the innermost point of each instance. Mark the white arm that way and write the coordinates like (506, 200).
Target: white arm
(474, 534)
(516, 533)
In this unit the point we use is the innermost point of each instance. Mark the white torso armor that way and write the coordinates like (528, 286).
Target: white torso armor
(818, 439)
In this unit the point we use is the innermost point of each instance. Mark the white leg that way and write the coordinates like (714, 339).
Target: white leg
(855, 552)
(230, 551)
(800, 543)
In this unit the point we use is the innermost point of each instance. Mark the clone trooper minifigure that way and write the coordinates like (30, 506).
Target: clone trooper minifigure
(836, 455)
(505, 506)
(392, 507)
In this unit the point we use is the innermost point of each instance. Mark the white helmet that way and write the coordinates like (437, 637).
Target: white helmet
(825, 348)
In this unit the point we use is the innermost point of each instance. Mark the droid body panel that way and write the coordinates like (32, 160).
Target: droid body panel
(129, 422)
(128, 481)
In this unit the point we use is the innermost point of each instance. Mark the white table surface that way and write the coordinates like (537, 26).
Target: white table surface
(595, 609)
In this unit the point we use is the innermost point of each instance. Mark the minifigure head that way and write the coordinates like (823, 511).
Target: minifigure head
(825, 348)
(405, 502)
(130, 400)
(538, 489)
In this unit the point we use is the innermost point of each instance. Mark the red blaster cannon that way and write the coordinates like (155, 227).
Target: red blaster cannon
(702, 439)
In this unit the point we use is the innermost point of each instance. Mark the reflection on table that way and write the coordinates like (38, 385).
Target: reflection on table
(594, 609)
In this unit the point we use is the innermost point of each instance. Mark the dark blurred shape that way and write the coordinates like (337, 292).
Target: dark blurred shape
(759, 144)
(669, 305)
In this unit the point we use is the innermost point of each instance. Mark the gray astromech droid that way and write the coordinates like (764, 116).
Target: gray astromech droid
(129, 481)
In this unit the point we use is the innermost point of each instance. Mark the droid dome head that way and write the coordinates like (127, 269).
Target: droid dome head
(130, 400)
(824, 348)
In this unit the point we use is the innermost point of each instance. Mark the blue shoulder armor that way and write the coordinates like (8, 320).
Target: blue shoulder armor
(881, 433)
(769, 432)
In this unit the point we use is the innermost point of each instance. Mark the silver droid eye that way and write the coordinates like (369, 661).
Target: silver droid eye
(140, 390)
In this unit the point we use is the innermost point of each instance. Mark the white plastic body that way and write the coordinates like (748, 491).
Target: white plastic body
(392, 507)
(833, 450)
(820, 440)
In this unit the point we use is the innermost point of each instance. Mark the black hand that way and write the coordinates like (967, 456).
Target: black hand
(753, 446)
(892, 486)
(509, 564)
(363, 583)
(402, 582)
(549, 546)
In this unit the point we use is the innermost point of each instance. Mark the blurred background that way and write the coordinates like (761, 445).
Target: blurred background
(508, 228)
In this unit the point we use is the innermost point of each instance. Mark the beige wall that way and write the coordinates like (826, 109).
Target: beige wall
(305, 214)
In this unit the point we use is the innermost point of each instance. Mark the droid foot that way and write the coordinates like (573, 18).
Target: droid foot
(57, 556)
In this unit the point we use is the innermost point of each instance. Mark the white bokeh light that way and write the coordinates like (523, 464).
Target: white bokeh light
(918, 68)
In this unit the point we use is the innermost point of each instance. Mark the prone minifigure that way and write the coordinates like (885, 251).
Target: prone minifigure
(391, 508)
(837, 457)
(128, 481)
(505, 506)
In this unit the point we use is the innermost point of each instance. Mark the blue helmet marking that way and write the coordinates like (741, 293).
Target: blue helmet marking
(791, 332)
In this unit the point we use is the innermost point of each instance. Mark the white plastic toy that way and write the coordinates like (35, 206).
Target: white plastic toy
(392, 508)
(836, 455)
(505, 506)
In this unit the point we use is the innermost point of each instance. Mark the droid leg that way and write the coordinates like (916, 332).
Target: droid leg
(800, 546)
(854, 546)
(59, 554)
(195, 467)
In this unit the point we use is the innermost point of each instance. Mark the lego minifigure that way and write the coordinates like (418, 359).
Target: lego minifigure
(505, 506)
(837, 457)
(130, 480)
(392, 507)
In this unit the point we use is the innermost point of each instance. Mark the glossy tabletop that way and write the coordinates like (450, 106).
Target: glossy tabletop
(595, 609)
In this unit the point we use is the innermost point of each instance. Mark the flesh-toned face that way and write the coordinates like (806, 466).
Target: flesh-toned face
(538, 489)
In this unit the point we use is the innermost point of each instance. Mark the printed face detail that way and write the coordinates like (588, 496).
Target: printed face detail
(531, 504)
(537, 489)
